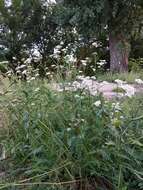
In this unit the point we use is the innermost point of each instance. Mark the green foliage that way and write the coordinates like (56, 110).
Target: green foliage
(119, 90)
(117, 19)
(3, 66)
(29, 25)
(26, 25)
(102, 13)
(136, 65)
(65, 136)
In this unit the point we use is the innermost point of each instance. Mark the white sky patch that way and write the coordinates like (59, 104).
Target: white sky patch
(48, 2)
(8, 3)
(35, 52)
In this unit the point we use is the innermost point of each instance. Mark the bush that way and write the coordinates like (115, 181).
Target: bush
(136, 65)
(58, 137)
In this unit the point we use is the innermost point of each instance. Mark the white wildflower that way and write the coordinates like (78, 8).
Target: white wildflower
(77, 96)
(105, 83)
(37, 75)
(18, 71)
(68, 129)
(53, 65)
(101, 62)
(64, 50)
(56, 52)
(94, 69)
(84, 62)
(97, 103)
(95, 44)
(116, 106)
(37, 89)
(22, 66)
(120, 82)
(32, 78)
(87, 59)
(70, 58)
(24, 72)
(60, 90)
(44, 17)
(94, 93)
(9, 74)
(80, 77)
(139, 81)
(93, 77)
(48, 73)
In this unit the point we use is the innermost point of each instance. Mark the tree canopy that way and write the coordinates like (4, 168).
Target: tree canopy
(117, 17)
(28, 25)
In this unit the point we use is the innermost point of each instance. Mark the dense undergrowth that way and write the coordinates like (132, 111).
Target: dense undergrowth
(71, 140)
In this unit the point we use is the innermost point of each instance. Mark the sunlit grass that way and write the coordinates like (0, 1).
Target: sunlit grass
(128, 77)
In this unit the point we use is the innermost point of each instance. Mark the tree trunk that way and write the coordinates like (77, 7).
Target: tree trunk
(119, 53)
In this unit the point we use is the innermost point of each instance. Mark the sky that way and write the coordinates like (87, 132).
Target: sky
(8, 2)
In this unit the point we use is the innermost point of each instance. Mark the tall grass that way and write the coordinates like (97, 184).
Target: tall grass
(63, 140)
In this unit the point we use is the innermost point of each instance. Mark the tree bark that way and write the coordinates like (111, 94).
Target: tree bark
(119, 53)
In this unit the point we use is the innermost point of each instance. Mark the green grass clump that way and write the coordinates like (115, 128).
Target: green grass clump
(63, 140)
(119, 90)
(128, 77)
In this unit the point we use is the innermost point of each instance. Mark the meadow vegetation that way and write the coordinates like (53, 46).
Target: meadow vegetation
(70, 140)
(71, 85)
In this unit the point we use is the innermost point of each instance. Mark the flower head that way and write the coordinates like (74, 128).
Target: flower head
(97, 103)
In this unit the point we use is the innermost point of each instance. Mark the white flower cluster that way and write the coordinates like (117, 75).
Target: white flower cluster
(97, 44)
(97, 103)
(101, 63)
(93, 87)
(70, 58)
(57, 51)
(116, 115)
(82, 83)
(116, 106)
(9, 73)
